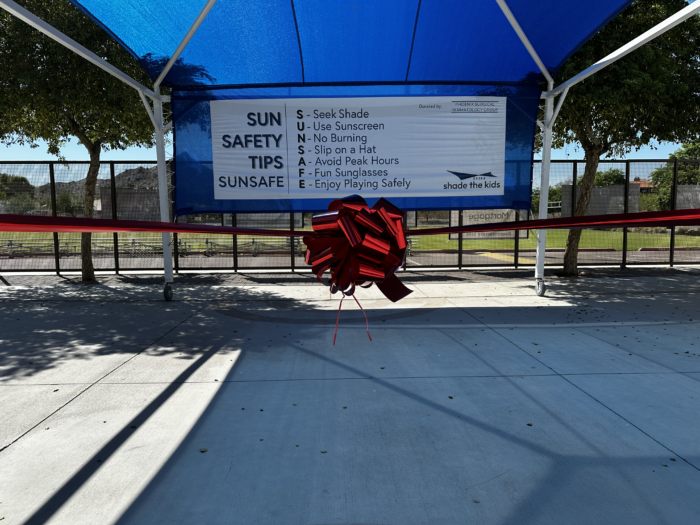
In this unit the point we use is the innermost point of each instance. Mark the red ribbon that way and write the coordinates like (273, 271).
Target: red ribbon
(359, 246)
(34, 223)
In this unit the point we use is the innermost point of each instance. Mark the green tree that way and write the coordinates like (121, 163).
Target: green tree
(554, 196)
(68, 204)
(611, 177)
(650, 95)
(688, 174)
(20, 204)
(11, 185)
(49, 93)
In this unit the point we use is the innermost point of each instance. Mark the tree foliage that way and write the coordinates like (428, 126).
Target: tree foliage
(688, 174)
(611, 177)
(49, 93)
(649, 95)
(68, 204)
(11, 185)
(20, 204)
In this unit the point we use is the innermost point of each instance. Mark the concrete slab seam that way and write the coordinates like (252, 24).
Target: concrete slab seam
(98, 380)
(583, 391)
(398, 378)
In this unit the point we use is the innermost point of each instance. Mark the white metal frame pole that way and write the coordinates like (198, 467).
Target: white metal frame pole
(183, 43)
(659, 29)
(160, 129)
(525, 41)
(544, 183)
(546, 147)
(163, 199)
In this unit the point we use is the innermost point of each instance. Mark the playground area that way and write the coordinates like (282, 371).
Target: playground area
(475, 402)
(305, 148)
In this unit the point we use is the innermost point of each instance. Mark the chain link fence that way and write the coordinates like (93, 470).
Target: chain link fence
(129, 191)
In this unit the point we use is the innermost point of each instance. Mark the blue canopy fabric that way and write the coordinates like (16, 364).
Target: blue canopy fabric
(348, 48)
(289, 42)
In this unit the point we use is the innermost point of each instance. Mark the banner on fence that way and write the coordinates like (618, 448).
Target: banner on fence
(475, 217)
(392, 147)
(443, 147)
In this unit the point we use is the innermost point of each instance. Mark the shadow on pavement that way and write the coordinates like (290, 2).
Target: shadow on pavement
(405, 457)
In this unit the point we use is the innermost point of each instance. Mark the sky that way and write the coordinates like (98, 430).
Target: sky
(658, 151)
(75, 151)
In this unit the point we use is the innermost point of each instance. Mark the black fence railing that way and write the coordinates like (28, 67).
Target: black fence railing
(128, 190)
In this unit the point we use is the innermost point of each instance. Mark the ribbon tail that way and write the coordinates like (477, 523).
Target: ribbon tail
(393, 289)
(363, 313)
(337, 319)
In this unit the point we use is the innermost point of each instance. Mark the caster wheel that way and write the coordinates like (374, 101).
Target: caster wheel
(168, 292)
(541, 288)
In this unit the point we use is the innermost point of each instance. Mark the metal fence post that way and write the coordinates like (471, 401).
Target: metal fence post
(235, 244)
(626, 209)
(54, 213)
(516, 248)
(404, 222)
(113, 191)
(176, 253)
(573, 189)
(176, 247)
(459, 249)
(674, 190)
(292, 239)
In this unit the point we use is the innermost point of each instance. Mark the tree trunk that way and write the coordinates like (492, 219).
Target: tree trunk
(571, 252)
(86, 238)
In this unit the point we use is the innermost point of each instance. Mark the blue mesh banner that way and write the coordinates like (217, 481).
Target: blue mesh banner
(302, 167)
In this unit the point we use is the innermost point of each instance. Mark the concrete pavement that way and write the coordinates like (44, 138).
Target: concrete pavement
(476, 402)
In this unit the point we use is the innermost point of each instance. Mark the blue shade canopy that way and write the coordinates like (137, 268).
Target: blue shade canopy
(280, 49)
(288, 42)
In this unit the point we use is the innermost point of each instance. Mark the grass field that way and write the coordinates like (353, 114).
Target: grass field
(555, 239)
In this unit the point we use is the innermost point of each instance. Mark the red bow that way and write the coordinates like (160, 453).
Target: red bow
(359, 245)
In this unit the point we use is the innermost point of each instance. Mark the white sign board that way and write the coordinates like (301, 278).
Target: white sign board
(375, 147)
(475, 217)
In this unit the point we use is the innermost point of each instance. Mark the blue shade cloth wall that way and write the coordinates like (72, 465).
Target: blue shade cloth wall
(194, 188)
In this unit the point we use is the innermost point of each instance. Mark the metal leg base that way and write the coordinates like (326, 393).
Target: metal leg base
(540, 287)
(168, 292)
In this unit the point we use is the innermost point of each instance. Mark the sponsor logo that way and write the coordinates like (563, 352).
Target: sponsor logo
(465, 176)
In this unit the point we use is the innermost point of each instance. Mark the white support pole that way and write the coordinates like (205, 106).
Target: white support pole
(559, 104)
(148, 109)
(163, 188)
(524, 39)
(188, 36)
(642, 39)
(544, 188)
